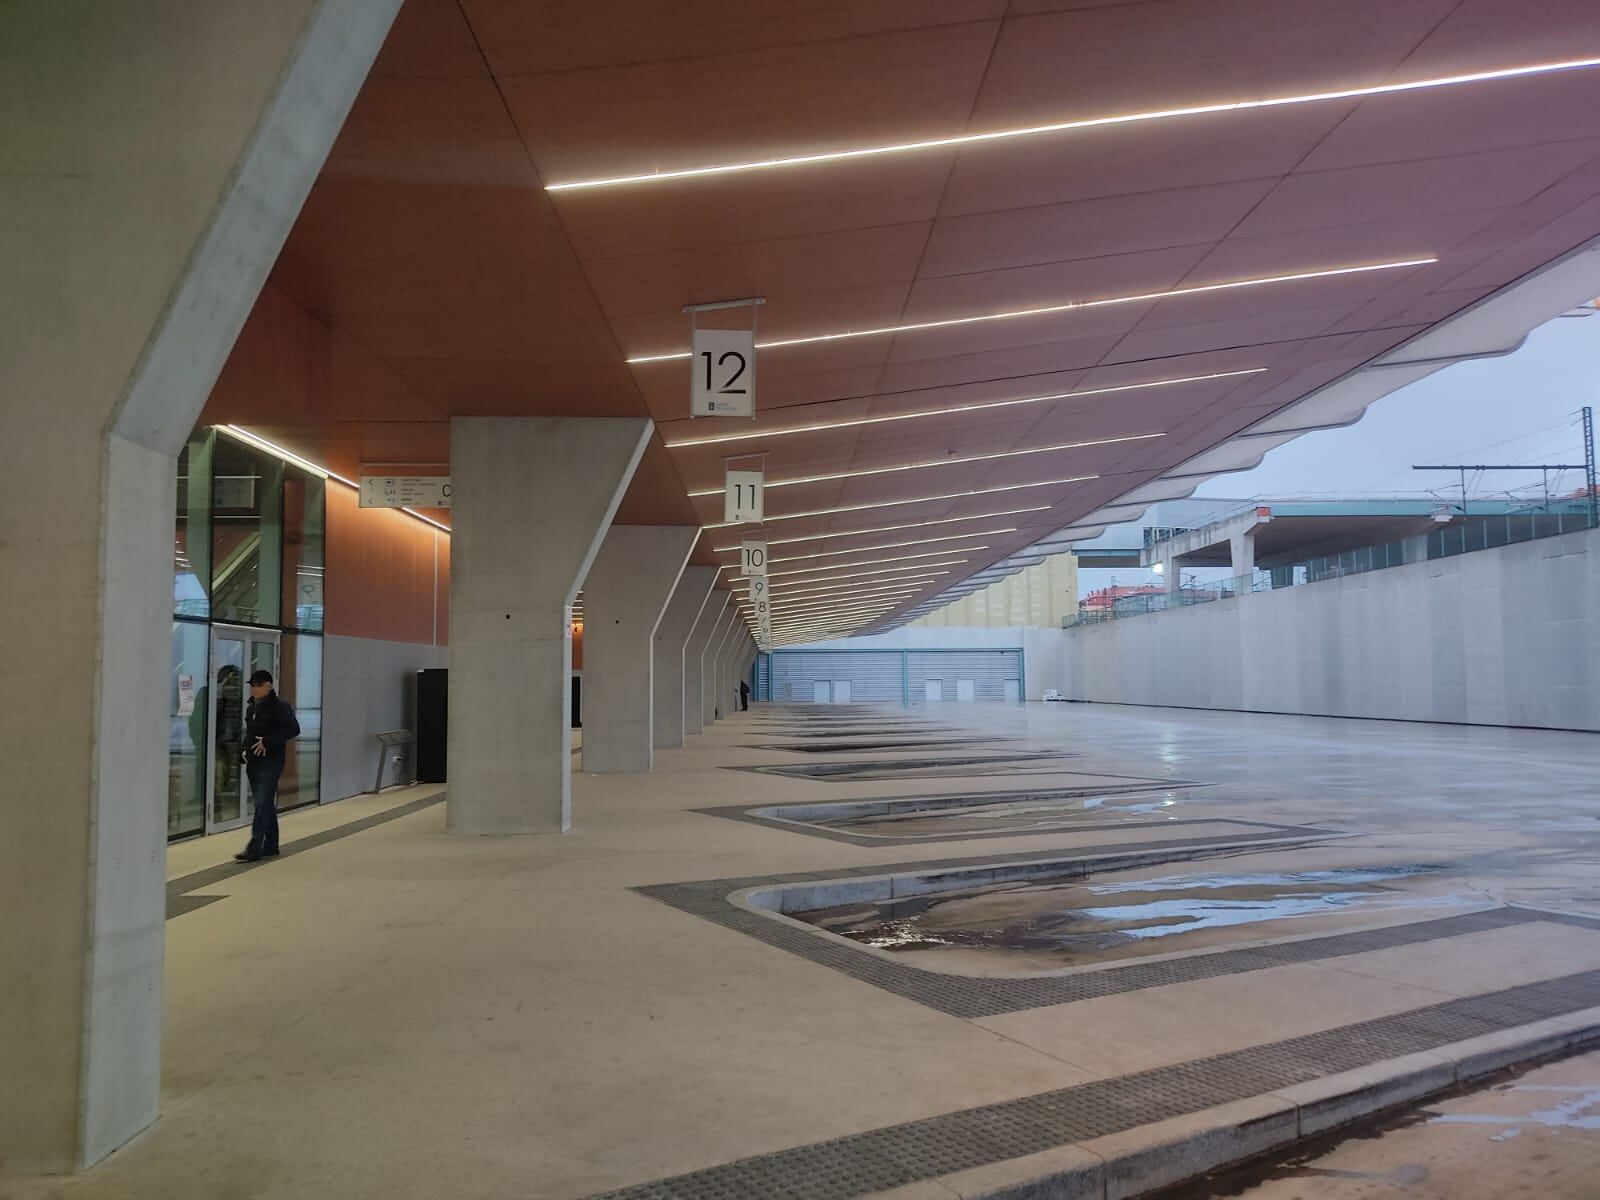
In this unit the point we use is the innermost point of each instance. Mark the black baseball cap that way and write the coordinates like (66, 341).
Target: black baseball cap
(260, 677)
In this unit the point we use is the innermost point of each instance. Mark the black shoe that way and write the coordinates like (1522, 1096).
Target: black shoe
(247, 856)
(269, 854)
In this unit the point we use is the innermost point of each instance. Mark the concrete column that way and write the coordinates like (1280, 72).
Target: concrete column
(711, 701)
(624, 596)
(1242, 553)
(727, 665)
(136, 238)
(1172, 574)
(668, 688)
(694, 660)
(532, 500)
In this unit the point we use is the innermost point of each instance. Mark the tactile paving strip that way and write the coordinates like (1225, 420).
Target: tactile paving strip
(970, 997)
(848, 1167)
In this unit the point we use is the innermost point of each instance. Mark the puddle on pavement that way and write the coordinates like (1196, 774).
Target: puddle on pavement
(1015, 816)
(1025, 928)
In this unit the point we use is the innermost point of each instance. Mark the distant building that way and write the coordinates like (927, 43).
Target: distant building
(1107, 597)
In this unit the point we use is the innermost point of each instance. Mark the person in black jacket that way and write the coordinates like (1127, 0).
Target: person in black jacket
(269, 726)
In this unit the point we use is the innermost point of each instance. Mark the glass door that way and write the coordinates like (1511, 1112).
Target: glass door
(235, 654)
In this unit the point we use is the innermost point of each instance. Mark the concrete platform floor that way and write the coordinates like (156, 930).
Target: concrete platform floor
(400, 1013)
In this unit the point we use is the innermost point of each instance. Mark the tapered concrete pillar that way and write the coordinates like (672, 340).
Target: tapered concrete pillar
(712, 704)
(532, 500)
(668, 684)
(730, 667)
(624, 596)
(694, 659)
(145, 200)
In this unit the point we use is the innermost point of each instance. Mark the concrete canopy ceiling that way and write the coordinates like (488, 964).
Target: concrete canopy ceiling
(431, 274)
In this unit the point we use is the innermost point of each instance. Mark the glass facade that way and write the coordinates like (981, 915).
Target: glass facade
(248, 560)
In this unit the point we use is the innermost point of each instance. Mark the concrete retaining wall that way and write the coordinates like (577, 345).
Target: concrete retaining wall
(1497, 637)
(366, 690)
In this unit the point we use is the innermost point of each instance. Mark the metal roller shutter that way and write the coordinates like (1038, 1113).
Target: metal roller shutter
(874, 676)
(988, 671)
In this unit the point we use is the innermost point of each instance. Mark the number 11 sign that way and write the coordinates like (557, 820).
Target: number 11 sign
(742, 500)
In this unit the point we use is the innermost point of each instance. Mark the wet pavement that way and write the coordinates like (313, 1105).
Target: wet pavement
(1026, 928)
(1033, 815)
(1534, 1137)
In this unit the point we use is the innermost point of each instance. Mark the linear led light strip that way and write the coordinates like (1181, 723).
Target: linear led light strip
(853, 610)
(261, 443)
(949, 537)
(833, 603)
(821, 586)
(942, 462)
(1026, 131)
(844, 533)
(977, 406)
(1067, 306)
(867, 562)
(860, 614)
(844, 508)
(840, 582)
(825, 578)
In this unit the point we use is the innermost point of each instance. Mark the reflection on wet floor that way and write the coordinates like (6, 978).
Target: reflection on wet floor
(1049, 925)
(1011, 816)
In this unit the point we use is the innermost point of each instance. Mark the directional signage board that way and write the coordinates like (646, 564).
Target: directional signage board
(752, 559)
(743, 498)
(405, 491)
(722, 373)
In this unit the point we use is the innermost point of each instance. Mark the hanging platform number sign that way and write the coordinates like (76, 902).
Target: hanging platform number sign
(722, 365)
(752, 559)
(724, 373)
(763, 609)
(742, 499)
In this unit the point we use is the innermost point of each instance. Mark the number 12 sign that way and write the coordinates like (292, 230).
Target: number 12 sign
(722, 373)
(742, 500)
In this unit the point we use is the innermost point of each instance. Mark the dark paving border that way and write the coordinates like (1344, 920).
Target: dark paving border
(859, 747)
(847, 1167)
(750, 814)
(863, 771)
(973, 996)
(212, 875)
(178, 905)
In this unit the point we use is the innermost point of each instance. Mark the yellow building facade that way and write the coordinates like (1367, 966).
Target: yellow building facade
(1039, 596)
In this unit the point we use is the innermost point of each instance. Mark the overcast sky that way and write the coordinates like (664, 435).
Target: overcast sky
(1519, 409)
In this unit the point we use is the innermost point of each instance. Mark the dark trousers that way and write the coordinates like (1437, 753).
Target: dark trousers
(264, 776)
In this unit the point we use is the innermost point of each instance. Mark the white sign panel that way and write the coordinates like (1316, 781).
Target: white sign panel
(722, 373)
(752, 559)
(761, 604)
(743, 498)
(185, 695)
(405, 491)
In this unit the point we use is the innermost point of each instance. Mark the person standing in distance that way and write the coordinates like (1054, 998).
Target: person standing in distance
(269, 726)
